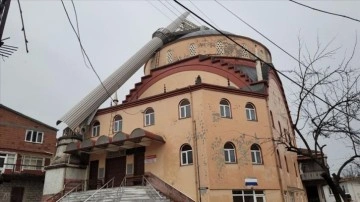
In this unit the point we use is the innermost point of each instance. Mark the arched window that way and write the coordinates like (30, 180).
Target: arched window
(192, 49)
(272, 119)
(149, 117)
(250, 112)
(287, 167)
(225, 111)
(184, 109)
(278, 158)
(95, 131)
(117, 123)
(186, 155)
(280, 128)
(256, 154)
(229, 153)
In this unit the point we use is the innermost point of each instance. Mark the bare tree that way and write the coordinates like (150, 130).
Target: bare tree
(327, 107)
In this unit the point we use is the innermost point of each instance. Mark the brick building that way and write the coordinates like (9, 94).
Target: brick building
(26, 146)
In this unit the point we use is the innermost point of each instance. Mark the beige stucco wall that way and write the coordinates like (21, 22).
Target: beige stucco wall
(184, 79)
(206, 45)
(212, 133)
(276, 104)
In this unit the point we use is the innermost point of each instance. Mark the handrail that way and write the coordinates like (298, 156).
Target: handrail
(106, 184)
(152, 187)
(123, 183)
(69, 192)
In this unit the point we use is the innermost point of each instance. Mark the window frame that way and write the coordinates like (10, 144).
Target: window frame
(223, 108)
(117, 127)
(257, 154)
(250, 112)
(149, 117)
(95, 129)
(29, 166)
(37, 133)
(255, 194)
(187, 153)
(183, 108)
(228, 151)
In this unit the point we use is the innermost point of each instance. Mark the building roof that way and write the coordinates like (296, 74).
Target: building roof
(27, 117)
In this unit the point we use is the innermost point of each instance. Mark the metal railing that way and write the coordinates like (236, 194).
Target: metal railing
(105, 185)
(121, 187)
(20, 168)
(146, 182)
(72, 190)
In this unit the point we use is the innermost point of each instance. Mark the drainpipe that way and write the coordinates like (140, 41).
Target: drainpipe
(196, 162)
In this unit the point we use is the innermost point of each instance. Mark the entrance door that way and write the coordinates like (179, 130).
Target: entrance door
(139, 158)
(17, 194)
(115, 167)
(93, 174)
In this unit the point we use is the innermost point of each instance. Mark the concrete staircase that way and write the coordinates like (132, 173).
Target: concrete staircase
(126, 194)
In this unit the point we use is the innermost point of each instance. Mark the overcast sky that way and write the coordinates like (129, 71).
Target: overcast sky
(46, 82)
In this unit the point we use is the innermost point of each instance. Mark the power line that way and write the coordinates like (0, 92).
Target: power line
(327, 12)
(149, 1)
(169, 2)
(202, 13)
(78, 32)
(23, 27)
(253, 28)
(168, 8)
(258, 58)
(82, 48)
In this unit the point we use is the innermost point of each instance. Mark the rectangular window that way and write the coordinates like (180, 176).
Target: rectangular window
(186, 157)
(34, 136)
(32, 163)
(129, 169)
(229, 155)
(10, 161)
(149, 119)
(185, 111)
(248, 196)
(117, 125)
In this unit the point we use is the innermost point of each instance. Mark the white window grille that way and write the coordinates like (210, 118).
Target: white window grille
(169, 56)
(220, 48)
(32, 163)
(250, 112)
(245, 53)
(149, 118)
(229, 152)
(117, 123)
(248, 195)
(192, 49)
(256, 154)
(184, 109)
(95, 129)
(34, 136)
(225, 111)
(186, 155)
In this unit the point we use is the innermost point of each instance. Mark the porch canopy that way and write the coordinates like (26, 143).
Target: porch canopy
(120, 141)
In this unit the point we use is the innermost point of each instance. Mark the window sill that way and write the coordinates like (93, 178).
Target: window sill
(180, 118)
(34, 142)
(190, 164)
(258, 164)
(148, 125)
(226, 117)
(253, 120)
(230, 163)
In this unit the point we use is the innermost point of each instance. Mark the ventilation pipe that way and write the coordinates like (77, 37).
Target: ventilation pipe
(95, 98)
(258, 67)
